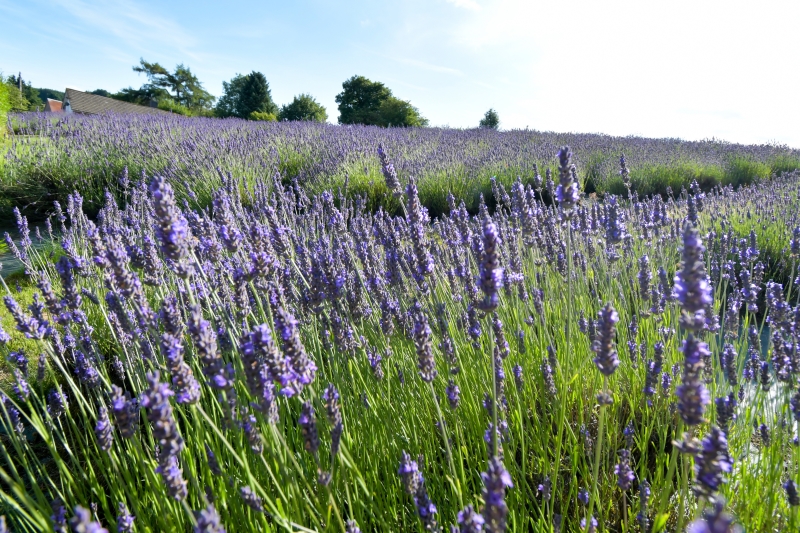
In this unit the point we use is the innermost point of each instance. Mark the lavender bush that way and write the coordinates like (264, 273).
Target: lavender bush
(50, 159)
(284, 360)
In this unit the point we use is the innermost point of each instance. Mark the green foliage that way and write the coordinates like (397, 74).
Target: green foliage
(663, 178)
(490, 120)
(244, 95)
(263, 116)
(742, 170)
(142, 96)
(396, 112)
(363, 101)
(360, 101)
(784, 163)
(168, 104)
(182, 85)
(303, 107)
(53, 94)
(16, 100)
(30, 94)
(5, 107)
(102, 92)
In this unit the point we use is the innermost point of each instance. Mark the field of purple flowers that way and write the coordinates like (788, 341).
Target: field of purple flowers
(52, 158)
(290, 359)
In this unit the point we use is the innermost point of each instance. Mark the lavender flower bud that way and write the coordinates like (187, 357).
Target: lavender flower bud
(495, 482)
(606, 360)
(491, 274)
(104, 430)
(82, 522)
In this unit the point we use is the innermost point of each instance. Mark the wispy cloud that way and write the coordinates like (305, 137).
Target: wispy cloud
(472, 5)
(136, 27)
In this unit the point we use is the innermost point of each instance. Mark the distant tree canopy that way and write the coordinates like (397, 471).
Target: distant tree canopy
(53, 94)
(101, 92)
(26, 100)
(182, 86)
(303, 107)
(245, 95)
(490, 120)
(363, 101)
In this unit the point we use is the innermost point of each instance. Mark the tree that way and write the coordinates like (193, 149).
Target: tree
(360, 101)
(490, 120)
(25, 100)
(44, 94)
(181, 85)
(303, 107)
(142, 96)
(101, 92)
(245, 95)
(396, 112)
(16, 99)
(5, 107)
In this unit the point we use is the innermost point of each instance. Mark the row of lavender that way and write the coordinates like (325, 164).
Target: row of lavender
(275, 367)
(88, 153)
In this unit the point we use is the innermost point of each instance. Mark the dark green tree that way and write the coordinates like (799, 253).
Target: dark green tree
(181, 85)
(143, 95)
(360, 101)
(256, 96)
(490, 120)
(29, 94)
(303, 107)
(245, 95)
(400, 113)
(101, 92)
(44, 94)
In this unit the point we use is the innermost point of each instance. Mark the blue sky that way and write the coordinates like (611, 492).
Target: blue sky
(690, 69)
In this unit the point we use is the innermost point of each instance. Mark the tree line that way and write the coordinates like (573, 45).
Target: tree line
(247, 96)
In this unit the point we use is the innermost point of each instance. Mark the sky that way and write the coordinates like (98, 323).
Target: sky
(690, 69)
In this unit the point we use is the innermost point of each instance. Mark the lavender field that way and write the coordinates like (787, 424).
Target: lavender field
(231, 326)
(50, 159)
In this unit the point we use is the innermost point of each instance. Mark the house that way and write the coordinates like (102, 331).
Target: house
(83, 103)
(53, 106)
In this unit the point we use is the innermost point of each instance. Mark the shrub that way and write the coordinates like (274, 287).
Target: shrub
(5, 107)
(263, 116)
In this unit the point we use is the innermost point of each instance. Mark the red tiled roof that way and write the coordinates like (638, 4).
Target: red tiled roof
(54, 106)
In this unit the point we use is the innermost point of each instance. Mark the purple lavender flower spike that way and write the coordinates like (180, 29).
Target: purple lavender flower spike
(208, 521)
(165, 431)
(104, 430)
(308, 428)
(124, 519)
(172, 228)
(712, 462)
(566, 193)
(606, 358)
(692, 394)
(623, 470)
(714, 520)
(491, 274)
(495, 482)
(422, 342)
(469, 521)
(302, 365)
(251, 499)
(792, 497)
(82, 522)
(692, 288)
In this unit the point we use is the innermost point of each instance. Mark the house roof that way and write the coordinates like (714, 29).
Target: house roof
(92, 104)
(54, 106)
